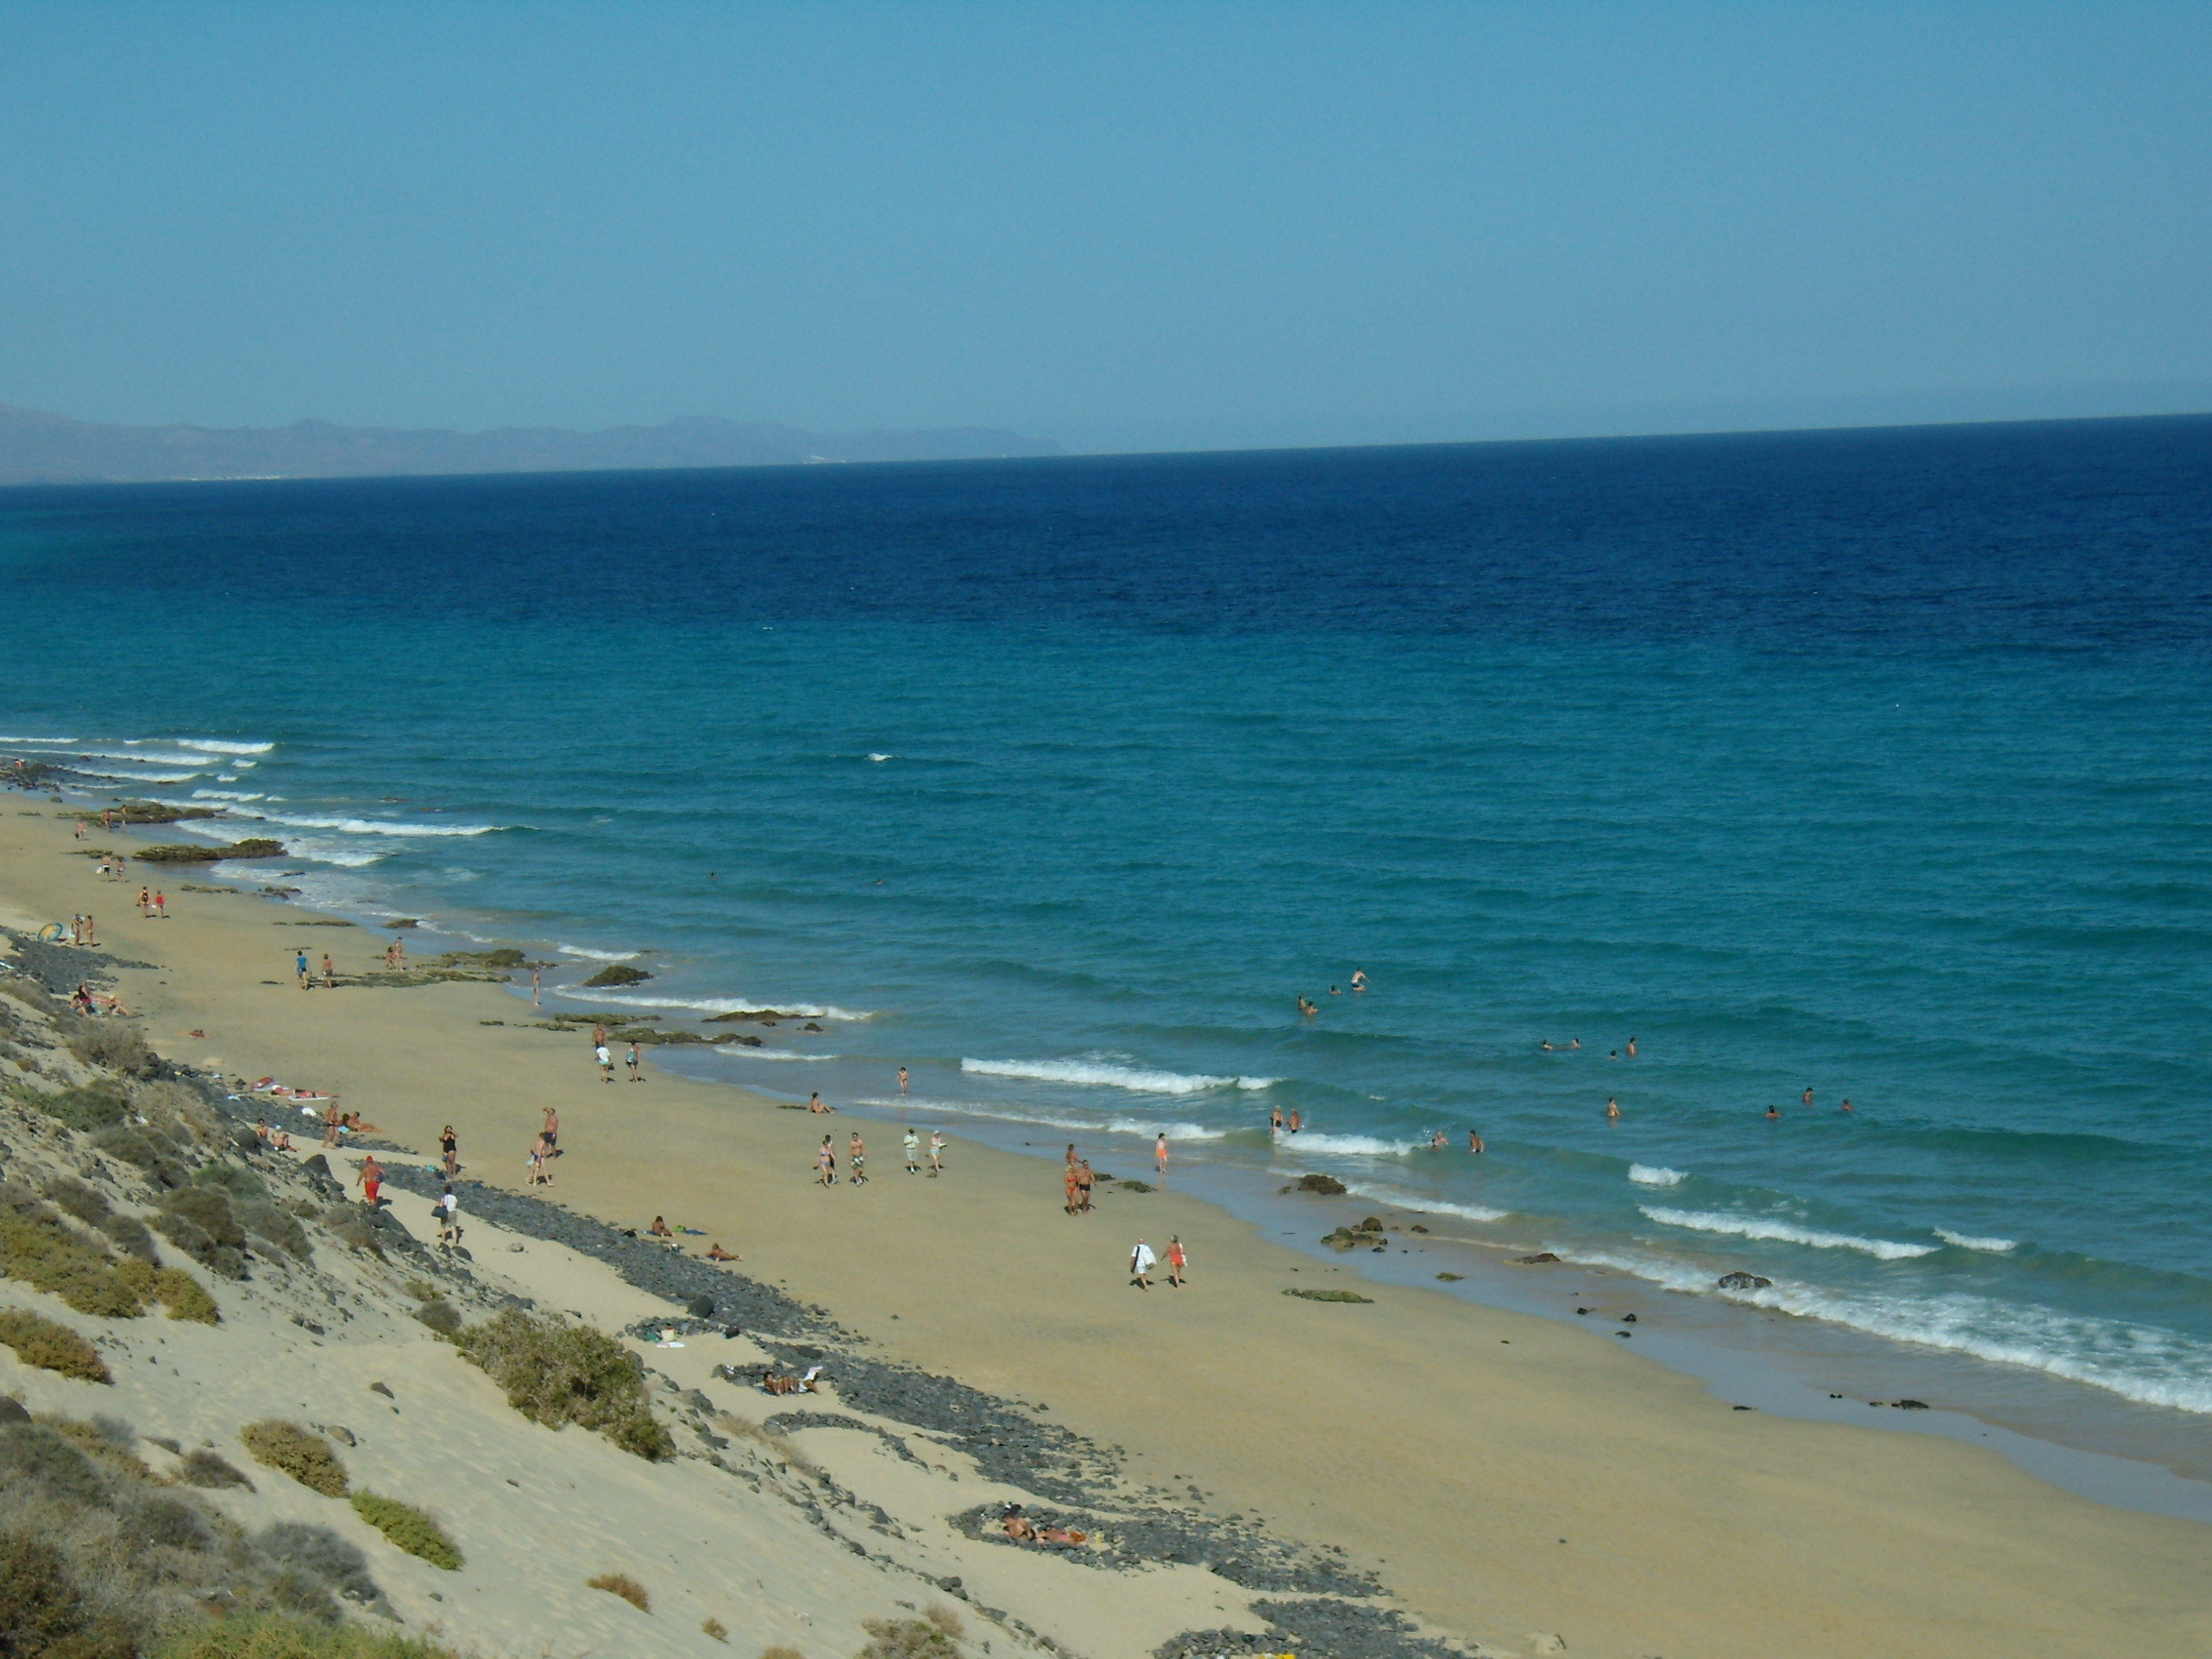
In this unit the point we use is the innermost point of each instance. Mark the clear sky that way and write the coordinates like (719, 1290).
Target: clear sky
(1118, 225)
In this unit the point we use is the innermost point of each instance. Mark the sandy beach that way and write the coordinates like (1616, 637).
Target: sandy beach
(1508, 1478)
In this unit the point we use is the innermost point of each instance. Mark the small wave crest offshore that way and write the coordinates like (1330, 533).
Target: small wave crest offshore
(1104, 1074)
(589, 955)
(713, 1005)
(1074, 1122)
(1786, 1232)
(1655, 1175)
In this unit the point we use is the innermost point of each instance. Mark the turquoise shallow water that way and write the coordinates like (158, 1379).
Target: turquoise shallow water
(1876, 764)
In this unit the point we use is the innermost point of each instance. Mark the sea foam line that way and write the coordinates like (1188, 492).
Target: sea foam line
(1705, 1221)
(590, 955)
(1072, 1122)
(1100, 1073)
(1655, 1175)
(1417, 1202)
(1310, 1140)
(1968, 1242)
(222, 746)
(378, 826)
(714, 1004)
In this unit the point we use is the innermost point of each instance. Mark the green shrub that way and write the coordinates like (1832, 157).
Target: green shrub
(44, 1610)
(556, 1374)
(409, 1528)
(41, 1342)
(440, 1316)
(1329, 1296)
(622, 1584)
(300, 1453)
(906, 1638)
(154, 1153)
(204, 1468)
(85, 1108)
(274, 1636)
(200, 1221)
(37, 1248)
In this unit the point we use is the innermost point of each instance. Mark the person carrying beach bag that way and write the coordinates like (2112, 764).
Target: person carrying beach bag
(1140, 1266)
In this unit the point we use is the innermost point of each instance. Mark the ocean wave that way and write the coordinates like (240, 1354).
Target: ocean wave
(714, 1004)
(1310, 1140)
(1655, 1175)
(137, 777)
(378, 826)
(51, 741)
(223, 746)
(1968, 1242)
(880, 759)
(1072, 1122)
(223, 794)
(734, 1051)
(590, 955)
(1787, 1232)
(1405, 1200)
(1101, 1074)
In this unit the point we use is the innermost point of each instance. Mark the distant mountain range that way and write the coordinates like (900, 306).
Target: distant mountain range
(41, 448)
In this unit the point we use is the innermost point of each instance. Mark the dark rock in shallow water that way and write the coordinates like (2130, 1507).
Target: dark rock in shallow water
(1742, 1282)
(1535, 1261)
(615, 973)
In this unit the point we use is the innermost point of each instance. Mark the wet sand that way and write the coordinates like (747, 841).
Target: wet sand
(1506, 1474)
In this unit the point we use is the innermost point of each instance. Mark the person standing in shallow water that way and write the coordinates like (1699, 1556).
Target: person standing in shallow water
(1612, 1107)
(902, 1080)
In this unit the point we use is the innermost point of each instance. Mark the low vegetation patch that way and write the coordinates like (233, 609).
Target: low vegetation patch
(273, 1637)
(300, 1453)
(908, 1639)
(204, 1468)
(41, 1342)
(1328, 1295)
(556, 1374)
(501, 958)
(622, 1584)
(409, 1528)
(716, 1628)
(37, 1247)
(1451, 1279)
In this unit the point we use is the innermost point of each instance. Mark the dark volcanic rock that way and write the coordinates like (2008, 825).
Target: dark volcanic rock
(1742, 1282)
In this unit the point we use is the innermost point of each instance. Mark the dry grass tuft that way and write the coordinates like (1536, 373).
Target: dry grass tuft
(277, 1637)
(409, 1528)
(300, 1453)
(906, 1638)
(41, 1342)
(622, 1584)
(945, 1618)
(781, 1653)
(714, 1628)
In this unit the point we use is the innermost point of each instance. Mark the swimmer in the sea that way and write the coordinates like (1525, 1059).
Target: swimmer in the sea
(1808, 1094)
(1846, 1106)
(1631, 1048)
(1474, 1141)
(1773, 1112)
(1359, 979)
(1612, 1107)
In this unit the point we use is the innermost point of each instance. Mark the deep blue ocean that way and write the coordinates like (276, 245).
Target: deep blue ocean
(1874, 763)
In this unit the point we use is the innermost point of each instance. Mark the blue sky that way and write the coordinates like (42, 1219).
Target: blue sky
(1120, 226)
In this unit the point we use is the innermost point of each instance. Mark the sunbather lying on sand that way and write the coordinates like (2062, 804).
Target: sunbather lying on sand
(1021, 1530)
(718, 1254)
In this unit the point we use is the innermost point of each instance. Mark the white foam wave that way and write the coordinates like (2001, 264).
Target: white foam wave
(590, 955)
(140, 777)
(1405, 1200)
(1310, 1140)
(221, 746)
(379, 826)
(1103, 1074)
(1072, 1122)
(223, 794)
(714, 1005)
(1655, 1175)
(1968, 1242)
(735, 1051)
(38, 740)
(1788, 1232)
(880, 759)
(157, 757)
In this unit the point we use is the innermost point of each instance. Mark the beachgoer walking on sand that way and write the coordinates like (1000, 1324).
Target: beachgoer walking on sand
(450, 1144)
(825, 1164)
(1084, 1182)
(936, 1153)
(551, 1131)
(606, 1062)
(598, 1035)
(331, 1122)
(299, 967)
(536, 988)
(161, 913)
(633, 1059)
(369, 1179)
(330, 973)
(1140, 1266)
(902, 1080)
(398, 954)
(912, 1142)
(1160, 1156)
(856, 1162)
(80, 828)
(449, 1218)
(145, 900)
(537, 1162)
(1612, 1107)
(1068, 1188)
(1178, 1259)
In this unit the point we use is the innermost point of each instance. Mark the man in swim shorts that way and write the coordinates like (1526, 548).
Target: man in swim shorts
(912, 1142)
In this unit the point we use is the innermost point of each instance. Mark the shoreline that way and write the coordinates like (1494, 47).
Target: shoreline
(1443, 1445)
(2138, 1455)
